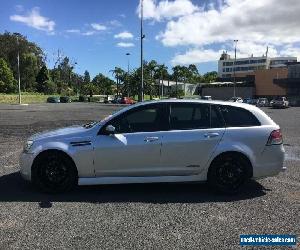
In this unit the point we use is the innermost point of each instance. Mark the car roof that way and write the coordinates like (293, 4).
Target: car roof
(216, 102)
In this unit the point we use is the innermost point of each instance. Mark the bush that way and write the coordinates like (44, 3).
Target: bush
(49, 87)
(83, 98)
(179, 93)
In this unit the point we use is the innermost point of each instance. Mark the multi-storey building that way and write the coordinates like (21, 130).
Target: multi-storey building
(227, 66)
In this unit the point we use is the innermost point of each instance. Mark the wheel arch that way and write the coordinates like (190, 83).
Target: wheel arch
(49, 151)
(233, 152)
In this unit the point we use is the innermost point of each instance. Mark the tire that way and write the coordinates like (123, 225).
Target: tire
(54, 172)
(228, 172)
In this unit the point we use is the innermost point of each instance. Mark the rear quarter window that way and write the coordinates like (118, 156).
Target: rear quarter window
(238, 117)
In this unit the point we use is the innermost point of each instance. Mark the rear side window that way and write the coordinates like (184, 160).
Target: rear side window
(184, 116)
(238, 117)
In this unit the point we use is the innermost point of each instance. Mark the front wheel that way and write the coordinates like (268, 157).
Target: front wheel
(228, 172)
(54, 172)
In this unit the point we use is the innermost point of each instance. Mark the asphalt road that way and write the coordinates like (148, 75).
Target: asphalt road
(152, 216)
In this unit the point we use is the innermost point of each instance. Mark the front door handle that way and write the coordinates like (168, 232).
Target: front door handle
(151, 138)
(211, 135)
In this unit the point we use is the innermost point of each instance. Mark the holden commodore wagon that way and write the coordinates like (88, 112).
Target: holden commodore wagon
(222, 143)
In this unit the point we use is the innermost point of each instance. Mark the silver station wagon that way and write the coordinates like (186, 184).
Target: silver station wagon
(223, 143)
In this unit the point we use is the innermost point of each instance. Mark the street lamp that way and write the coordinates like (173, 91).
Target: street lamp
(234, 80)
(128, 54)
(141, 94)
(19, 77)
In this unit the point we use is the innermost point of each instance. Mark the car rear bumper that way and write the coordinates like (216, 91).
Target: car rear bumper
(270, 162)
(26, 161)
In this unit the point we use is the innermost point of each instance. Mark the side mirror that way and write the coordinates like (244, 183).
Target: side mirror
(110, 129)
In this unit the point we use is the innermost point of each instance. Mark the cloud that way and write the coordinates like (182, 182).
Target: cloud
(35, 20)
(270, 21)
(125, 45)
(124, 35)
(196, 56)
(98, 26)
(167, 9)
(245, 49)
(88, 33)
(207, 30)
(76, 31)
(115, 23)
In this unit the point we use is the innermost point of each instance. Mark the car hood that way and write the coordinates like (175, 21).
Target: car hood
(73, 131)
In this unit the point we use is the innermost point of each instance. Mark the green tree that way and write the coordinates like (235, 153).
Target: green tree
(120, 76)
(41, 79)
(89, 89)
(7, 81)
(210, 77)
(50, 87)
(86, 77)
(104, 84)
(31, 57)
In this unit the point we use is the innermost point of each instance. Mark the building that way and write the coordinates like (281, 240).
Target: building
(227, 65)
(168, 87)
(291, 83)
(264, 82)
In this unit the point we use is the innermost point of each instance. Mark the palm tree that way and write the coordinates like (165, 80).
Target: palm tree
(119, 75)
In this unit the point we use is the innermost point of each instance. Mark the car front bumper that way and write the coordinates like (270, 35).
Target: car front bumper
(26, 161)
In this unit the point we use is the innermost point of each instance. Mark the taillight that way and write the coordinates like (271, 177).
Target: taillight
(275, 138)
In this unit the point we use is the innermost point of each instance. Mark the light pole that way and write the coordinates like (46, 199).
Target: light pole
(19, 77)
(141, 94)
(128, 54)
(234, 82)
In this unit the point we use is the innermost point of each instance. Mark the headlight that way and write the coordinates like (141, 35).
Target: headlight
(27, 146)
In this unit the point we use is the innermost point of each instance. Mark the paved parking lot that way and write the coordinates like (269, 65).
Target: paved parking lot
(157, 216)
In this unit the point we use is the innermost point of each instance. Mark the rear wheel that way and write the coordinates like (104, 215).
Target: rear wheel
(54, 172)
(228, 172)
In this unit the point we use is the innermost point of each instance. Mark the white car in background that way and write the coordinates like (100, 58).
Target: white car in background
(236, 99)
(280, 102)
(160, 141)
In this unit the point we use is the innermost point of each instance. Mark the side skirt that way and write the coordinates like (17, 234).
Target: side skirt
(130, 179)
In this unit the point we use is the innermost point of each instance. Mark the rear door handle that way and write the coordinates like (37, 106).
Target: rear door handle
(151, 138)
(211, 135)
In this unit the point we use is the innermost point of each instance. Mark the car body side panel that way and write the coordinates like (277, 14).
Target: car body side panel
(131, 154)
(81, 155)
(186, 152)
(251, 141)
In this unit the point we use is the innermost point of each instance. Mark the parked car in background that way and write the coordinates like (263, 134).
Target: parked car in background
(235, 99)
(222, 143)
(116, 100)
(250, 101)
(280, 102)
(247, 100)
(127, 100)
(65, 99)
(53, 99)
(108, 99)
(206, 97)
(262, 102)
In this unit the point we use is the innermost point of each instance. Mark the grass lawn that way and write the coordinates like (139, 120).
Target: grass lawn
(26, 98)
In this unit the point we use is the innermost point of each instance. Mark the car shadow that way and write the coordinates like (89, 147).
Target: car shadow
(14, 189)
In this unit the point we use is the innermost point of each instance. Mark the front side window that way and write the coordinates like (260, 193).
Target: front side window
(184, 116)
(143, 119)
(238, 117)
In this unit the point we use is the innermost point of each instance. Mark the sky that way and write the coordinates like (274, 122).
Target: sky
(97, 34)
